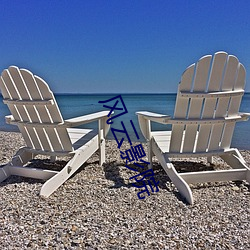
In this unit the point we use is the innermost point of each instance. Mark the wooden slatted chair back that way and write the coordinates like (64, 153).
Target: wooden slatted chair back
(209, 90)
(35, 110)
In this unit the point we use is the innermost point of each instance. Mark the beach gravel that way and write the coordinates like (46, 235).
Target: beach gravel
(98, 208)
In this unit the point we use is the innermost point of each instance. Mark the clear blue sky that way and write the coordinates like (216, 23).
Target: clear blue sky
(114, 46)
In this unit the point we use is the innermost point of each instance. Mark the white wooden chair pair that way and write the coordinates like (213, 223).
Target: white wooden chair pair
(35, 112)
(206, 111)
(207, 108)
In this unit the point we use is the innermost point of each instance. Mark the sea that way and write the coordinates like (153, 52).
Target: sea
(73, 105)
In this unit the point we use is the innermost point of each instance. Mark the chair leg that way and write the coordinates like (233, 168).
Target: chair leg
(103, 130)
(57, 180)
(178, 181)
(248, 176)
(53, 158)
(180, 184)
(210, 159)
(234, 159)
(21, 157)
(150, 154)
(80, 157)
(102, 151)
(4, 172)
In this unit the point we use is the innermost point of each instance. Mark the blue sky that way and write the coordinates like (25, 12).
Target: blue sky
(114, 46)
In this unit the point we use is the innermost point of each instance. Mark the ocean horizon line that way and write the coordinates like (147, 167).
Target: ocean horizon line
(78, 94)
(115, 93)
(75, 94)
(121, 93)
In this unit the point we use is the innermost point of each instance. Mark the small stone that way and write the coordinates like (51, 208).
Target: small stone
(74, 228)
(112, 241)
(235, 188)
(76, 241)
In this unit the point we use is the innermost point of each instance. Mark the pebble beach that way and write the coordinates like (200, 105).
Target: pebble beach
(98, 208)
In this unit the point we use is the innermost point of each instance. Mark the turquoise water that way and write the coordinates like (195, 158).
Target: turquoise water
(77, 105)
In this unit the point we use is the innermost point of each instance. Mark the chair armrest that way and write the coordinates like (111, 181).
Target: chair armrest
(154, 117)
(74, 122)
(145, 118)
(244, 115)
(9, 119)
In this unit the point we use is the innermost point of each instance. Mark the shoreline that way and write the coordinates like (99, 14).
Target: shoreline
(98, 208)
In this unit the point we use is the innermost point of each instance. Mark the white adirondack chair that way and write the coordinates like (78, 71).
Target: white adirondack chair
(206, 110)
(35, 112)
